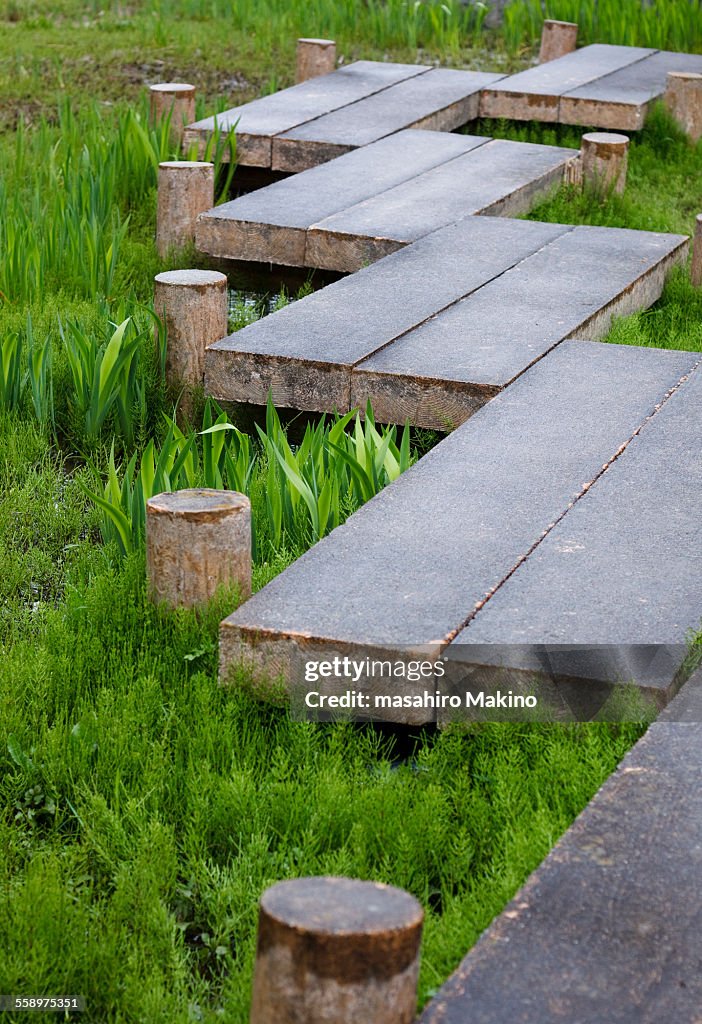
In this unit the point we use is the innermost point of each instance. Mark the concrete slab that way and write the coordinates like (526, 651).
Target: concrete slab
(571, 682)
(407, 571)
(687, 706)
(257, 122)
(624, 565)
(606, 928)
(304, 353)
(270, 224)
(442, 99)
(498, 178)
(620, 101)
(534, 95)
(439, 372)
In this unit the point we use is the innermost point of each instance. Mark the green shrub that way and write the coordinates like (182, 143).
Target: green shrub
(298, 494)
(67, 197)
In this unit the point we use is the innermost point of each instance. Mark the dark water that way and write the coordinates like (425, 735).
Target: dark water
(261, 282)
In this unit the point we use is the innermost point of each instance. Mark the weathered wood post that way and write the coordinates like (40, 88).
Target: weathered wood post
(193, 305)
(696, 268)
(683, 98)
(176, 99)
(196, 541)
(315, 57)
(604, 161)
(336, 949)
(557, 39)
(185, 190)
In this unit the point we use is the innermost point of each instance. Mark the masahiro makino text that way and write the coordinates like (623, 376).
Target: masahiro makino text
(358, 700)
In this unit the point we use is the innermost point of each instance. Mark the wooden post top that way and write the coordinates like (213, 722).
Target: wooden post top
(560, 24)
(317, 42)
(185, 163)
(342, 927)
(192, 278)
(685, 74)
(198, 503)
(606, 139)
(172, 87)
(341, 906)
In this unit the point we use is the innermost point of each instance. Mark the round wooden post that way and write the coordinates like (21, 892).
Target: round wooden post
(557, 39)
(196, 541)
(176, 99)
(194, 307)
(336, 949)
(185, 190)
(315, 57)
(696, 269)
(604, 161)
(683, 98)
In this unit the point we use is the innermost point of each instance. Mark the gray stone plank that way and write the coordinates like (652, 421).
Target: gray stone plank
(258, 121)
(572, 682)
(624, 566)
(573, 285)
(620, 100)
(534, 95)
(411, 566)
(441, 99)
(655, 669)
(607, 928)
(687, 706)
(305, 352)
(270, 224)
(501, 177)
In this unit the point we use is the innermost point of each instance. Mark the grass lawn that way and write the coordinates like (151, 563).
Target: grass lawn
(142, 809)
(145, 810)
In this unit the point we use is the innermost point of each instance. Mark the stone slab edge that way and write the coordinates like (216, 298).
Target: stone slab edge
(313, 385)
(605, 928)
(330, 249)
(440, 405)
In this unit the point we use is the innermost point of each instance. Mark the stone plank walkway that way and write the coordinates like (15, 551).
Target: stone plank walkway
(600, 86)
(432, 332)
(442, 99)
(639, 534)
(363, 206)
(282, 131)
(410, 568)
(480, 551)
(607, 928)
(271, 224)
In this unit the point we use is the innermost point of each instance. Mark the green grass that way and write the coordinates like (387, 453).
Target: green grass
(233, 52)
(230, 52)
(144, 810)
(661, 24)
(299, 493)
